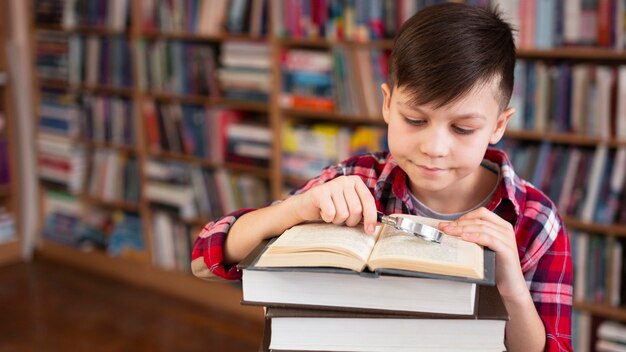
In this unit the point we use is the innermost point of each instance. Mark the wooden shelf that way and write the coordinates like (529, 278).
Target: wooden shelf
(610, 230)
(332, 116)
(567, 53)
(295, 180)
(116, 204)
(602, 310)
(122, 148)
(253, 170)
(98, 144)
(5, 191)
(207, 100)
(97, 89)
(199, 222)
(10, 252)
(178, 98)
(563, 138)
(188, 36)
(258, 171)
(145, 275)
(573, 53)
(81, 30)
(325, 44)
(242, 105)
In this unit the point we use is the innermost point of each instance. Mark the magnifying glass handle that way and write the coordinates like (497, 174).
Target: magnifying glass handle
(380, 217)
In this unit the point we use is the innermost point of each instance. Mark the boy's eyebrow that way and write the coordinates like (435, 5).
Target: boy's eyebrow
(474, 115)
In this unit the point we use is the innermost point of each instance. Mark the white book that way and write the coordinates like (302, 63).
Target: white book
(386, 334)
(244, 48)
(92, 60)
(117, 13)
(309, 60)
(580, 258)
(612, 331)
(247, 132)
(595, 182)
(609, 346)
(580, 78)
(616, 276)
(620, 132)
(111, 178)
(602, 120)
(165, 255)
(225, 191)
(75, 60)
(571, 21)
(200, 190)
(68, 21)
(541, 97)
(181, 197)
(583, 333)
(518, 96)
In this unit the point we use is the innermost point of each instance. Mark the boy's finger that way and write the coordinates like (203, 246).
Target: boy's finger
(484, 214)
(354, 206)
(341, 208)
(369, 207)
(326, 207)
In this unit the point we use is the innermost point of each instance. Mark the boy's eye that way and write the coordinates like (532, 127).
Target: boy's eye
(415, 122)
(460, 130)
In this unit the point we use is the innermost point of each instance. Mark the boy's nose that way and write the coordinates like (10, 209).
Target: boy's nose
(435, 144)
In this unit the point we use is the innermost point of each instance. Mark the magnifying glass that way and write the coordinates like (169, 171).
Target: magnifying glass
(412, 227)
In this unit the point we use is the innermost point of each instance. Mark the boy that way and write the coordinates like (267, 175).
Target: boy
(450, 81)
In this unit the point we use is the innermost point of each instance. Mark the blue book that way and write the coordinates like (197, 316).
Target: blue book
(545, 23)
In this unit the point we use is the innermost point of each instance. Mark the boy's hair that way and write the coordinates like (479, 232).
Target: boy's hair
(445, 50)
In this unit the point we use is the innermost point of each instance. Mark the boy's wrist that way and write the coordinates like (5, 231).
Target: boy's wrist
(286, 216)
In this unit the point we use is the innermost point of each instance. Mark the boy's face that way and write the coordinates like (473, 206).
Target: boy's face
(441, 149)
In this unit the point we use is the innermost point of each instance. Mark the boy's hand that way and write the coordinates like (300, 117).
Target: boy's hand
(345, 199)
(485, 228)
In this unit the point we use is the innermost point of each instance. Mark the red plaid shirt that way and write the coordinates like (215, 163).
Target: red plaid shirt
(542, 240)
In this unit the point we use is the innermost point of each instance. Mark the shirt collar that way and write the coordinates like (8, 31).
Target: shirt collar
(510, 193)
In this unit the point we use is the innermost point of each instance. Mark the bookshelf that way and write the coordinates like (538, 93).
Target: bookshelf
(128, 88)
(145, 33)
(10, 244)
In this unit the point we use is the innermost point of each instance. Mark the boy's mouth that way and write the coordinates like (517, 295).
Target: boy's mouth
(430, 170)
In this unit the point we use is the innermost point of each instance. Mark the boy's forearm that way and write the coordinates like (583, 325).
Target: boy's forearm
(524, 330)
(252, 228)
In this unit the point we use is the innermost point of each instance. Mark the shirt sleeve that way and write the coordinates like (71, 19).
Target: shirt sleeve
(551, 284)
(207, 255)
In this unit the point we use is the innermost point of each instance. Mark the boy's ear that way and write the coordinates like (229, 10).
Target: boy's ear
(386, 100)
(503, 121)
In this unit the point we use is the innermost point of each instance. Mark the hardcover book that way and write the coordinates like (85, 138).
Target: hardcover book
(319, 330)
(325, 265)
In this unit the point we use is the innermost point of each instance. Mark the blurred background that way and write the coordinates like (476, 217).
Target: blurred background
(127, 125)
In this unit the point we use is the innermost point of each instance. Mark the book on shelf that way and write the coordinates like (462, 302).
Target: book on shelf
(325, 265)
(307, 329)
(7, 225)
(5, 165)
(611, 337)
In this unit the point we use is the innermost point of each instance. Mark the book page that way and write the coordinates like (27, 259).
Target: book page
(323, 237)
(399, 250)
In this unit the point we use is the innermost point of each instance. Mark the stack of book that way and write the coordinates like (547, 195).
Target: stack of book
(334, 288)
(611, 337)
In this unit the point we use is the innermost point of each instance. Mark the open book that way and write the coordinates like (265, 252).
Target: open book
(388, 250)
